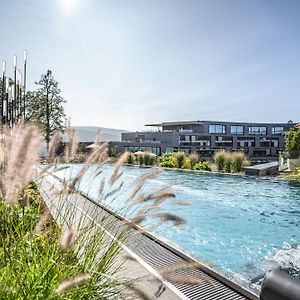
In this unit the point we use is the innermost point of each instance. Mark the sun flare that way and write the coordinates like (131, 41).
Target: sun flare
(69, 6)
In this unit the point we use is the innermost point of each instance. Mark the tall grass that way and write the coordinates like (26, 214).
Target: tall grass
(130, 159)
(140, 159)
(68, 256)
(228, 162)
(238, 161)
(194, 158)
(219, 159)
(179, 158)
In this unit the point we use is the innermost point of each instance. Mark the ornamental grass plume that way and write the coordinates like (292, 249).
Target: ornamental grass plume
(238, 161)
(142, 181)
(53, 147)
(147, 158)
(43, 222)
(179, 158)
(115, 174)
(72, 282)
(194, 158)
(72, 146)
(219, 159)
(20, 149)
(67, 238)
(228, 162)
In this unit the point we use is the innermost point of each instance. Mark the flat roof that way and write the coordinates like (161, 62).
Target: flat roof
(176, 123)
(297, 125)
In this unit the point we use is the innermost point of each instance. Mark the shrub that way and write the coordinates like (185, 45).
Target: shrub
(179, 158)
(167, 161)
(152, 160)
(187, 164)
(294, 176)
(147, 158)
(198, 166)
(246, 163)
(167, 156)
(219, 158)
(228, 162)
(238, 160)
(167, 164)
(140, 159)
(193, 159)
(130, 159)
(292, 143)
(205, 165)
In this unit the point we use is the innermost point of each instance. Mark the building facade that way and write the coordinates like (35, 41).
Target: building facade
(260, 141)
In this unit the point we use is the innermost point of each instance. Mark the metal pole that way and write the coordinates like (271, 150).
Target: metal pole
(15, 90)
(25, 73)
(19, 94)
(3, 87)
(10, 105)
(6, 112)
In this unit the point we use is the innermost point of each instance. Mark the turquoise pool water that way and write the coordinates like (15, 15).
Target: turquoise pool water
(241, 226)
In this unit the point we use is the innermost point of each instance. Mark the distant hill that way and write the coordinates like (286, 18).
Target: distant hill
(88, 134)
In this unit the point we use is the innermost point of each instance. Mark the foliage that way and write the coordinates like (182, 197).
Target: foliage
(113, 151)
(228, 162)
(193, 159)
(141, 159)
(147, 158)
(167, 164)
(292, 143)
(238, 161)
(293, 176)
(130, 159)
(166, 160)
(205, 165)
(178, 159)
(44, 106)
(152, 160)
(219, 159)
(187, 163)
(32, 260)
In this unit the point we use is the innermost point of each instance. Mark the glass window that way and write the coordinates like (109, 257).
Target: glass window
(224, 141)
(237, 129)
(277, 130)
(185, 138)
(257, 130)
(217, 128)
(246, 142)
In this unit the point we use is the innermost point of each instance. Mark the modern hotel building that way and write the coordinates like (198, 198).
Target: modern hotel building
(260, 141)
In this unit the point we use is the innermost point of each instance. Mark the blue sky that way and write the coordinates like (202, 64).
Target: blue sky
(122, 64)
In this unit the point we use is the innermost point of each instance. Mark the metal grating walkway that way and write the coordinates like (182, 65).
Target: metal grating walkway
(158, 256)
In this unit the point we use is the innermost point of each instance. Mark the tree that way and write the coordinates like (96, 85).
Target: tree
(292, 143)
(45, 106)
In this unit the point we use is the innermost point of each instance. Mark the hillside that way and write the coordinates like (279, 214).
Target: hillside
(88, 133)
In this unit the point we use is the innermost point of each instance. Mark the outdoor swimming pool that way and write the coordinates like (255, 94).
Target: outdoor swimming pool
(241, 226)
